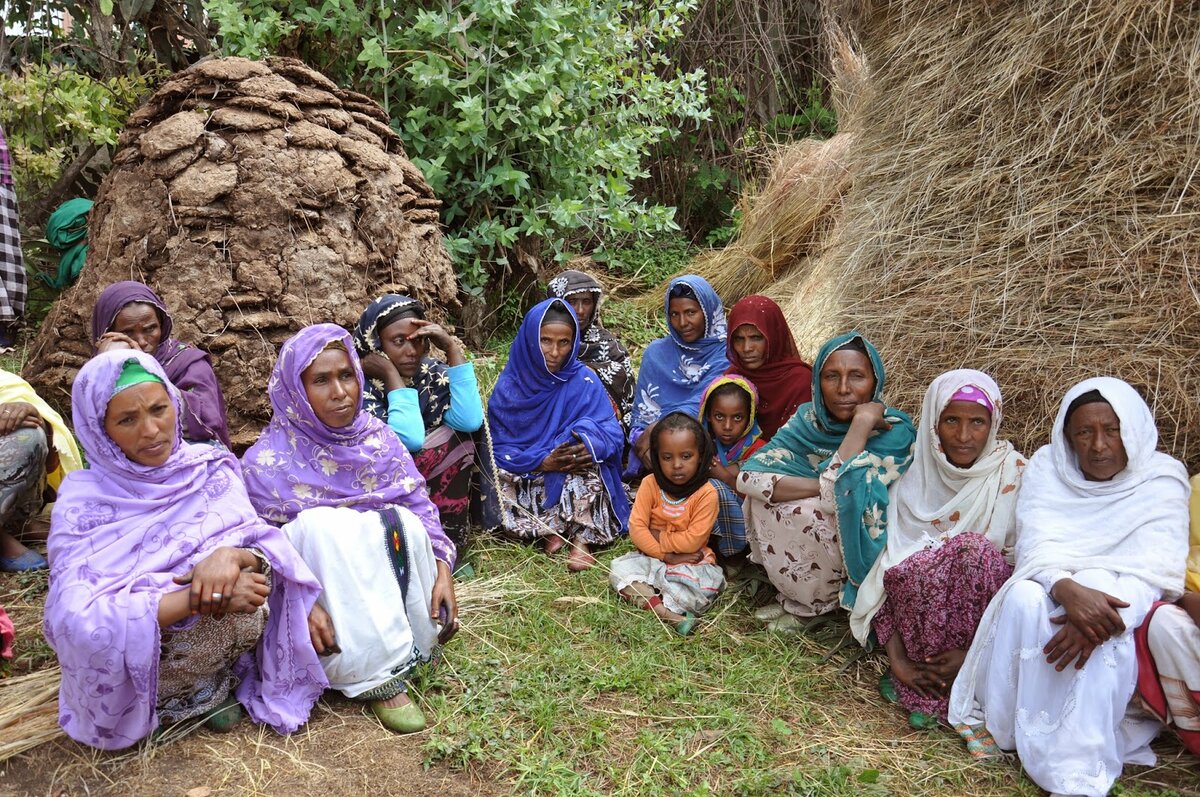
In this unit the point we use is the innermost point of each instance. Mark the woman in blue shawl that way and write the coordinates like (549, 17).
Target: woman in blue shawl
(817, 509)
(676, 368)
(557, 441)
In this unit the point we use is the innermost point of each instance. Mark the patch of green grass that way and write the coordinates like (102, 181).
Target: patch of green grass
(572, 691)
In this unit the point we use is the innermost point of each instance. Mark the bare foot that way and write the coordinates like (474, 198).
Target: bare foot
(397, 701)
(581, 557)
(552, 544)
(9, 547)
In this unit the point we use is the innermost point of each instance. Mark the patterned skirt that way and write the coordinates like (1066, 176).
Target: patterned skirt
(583, 511)
(684, 588)
(935, 600)
(1168, 652)
(22, 476)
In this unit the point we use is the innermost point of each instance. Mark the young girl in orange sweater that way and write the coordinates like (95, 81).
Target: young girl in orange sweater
(674, 573)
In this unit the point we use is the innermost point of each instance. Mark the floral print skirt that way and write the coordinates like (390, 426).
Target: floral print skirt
(583, 511)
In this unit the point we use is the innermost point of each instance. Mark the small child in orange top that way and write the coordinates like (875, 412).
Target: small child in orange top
(674, 573)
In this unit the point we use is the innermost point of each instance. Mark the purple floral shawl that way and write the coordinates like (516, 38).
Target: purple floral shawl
(118, 534)
(188, 367)
(299, 462)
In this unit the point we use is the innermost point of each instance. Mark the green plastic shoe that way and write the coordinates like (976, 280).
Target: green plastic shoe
(404, 719)
(225, 716)
(685, 626)
(919, 720)
(888, 689)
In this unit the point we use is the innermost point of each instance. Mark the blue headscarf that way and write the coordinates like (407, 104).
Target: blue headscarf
(806, 445)
(673, 373)
(533, 411)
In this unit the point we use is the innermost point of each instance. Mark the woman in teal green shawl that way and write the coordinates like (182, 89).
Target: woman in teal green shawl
(816, 516)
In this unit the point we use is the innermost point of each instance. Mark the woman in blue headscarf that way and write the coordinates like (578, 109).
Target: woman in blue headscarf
(676, 368)
(816, 513)
(557, 441)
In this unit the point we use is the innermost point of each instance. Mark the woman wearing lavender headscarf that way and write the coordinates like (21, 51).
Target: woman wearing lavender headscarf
(356, 508)
(169, 598)
(128, 315)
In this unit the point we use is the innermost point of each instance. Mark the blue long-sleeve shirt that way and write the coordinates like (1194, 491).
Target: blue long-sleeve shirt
(465, 413)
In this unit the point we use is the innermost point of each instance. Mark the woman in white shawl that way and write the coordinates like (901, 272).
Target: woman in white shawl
(1101, 534)
(950, 517)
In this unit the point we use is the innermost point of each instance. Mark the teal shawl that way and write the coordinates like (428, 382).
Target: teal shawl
(806, 445)
(67, 232)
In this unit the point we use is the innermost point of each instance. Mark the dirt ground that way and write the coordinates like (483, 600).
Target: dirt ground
(341, 751)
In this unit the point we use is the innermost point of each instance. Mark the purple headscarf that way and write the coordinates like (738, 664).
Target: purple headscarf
(188, 367)
(119, 532)
(299, 462)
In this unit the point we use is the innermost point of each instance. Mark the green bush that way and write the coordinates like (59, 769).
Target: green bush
(530, 119)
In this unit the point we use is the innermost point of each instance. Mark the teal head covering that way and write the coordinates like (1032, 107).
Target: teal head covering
(67, 232)
(806, 446)
(133, 373)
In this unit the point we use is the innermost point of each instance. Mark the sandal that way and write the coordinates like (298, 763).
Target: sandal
(920, 721)
(980, 743)
(685, 626)
(30, 560)
(224, 717)
(401, 719)
(887, 688)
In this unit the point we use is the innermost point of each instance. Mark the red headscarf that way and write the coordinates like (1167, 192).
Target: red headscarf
(784, 381)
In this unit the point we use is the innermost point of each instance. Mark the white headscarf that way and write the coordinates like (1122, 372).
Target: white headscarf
(935, 500)
(1134, 524)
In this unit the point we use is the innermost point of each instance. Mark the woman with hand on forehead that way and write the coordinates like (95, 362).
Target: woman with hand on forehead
(1101, 534)
(558, 441)
(433, 406)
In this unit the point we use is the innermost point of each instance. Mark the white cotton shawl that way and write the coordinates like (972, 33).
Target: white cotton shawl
(1135, 524)
(935, 500)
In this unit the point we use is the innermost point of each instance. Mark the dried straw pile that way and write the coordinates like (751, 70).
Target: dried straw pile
(1026, 200)
(28, 711)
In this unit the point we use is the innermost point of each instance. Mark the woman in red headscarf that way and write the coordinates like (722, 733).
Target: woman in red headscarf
(762, 349)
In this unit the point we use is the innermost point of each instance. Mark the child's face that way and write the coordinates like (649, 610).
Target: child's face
(728, 417)
(678, 455)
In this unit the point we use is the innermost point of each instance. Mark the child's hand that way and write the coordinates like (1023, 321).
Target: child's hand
(726, 473)
(694, 558)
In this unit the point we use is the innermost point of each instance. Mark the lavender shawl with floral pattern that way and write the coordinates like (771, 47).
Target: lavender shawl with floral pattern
(119, 533)
(299, 462)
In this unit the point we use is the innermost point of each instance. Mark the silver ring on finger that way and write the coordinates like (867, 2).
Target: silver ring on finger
(216, 596)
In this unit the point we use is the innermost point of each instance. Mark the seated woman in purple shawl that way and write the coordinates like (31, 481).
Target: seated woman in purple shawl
(356, 508)
(128, 315)
(558, 443)
(169, 598)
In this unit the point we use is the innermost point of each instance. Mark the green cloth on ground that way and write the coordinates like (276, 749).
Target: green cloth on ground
(67, 232)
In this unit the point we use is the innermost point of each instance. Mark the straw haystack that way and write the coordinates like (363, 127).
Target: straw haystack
(1026, 200)
(255, 198)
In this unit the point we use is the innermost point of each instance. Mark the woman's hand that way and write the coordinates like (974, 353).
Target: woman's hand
(694, 558)
(320, 630)
(19, 415)
(869, 415)
(112, 341)
(438, 336)
(945, 666)
(1068, 645)
(443, 606)
(249, 593)
(641, 449)
(1092, 612)
(378, 366)
(567, 458)
(213, 580)
(915, 676)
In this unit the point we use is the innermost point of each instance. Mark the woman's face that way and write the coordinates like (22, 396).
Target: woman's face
(332, 388)
(1094, 432)
(140, 322)
(963, 430)
(557, 339)
(847, 380)
(584, 304)
(141, 421)
(750, 346)
(405, 354)
(686, 318)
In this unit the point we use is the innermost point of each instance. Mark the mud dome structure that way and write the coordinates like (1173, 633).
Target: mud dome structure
(256, 198)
